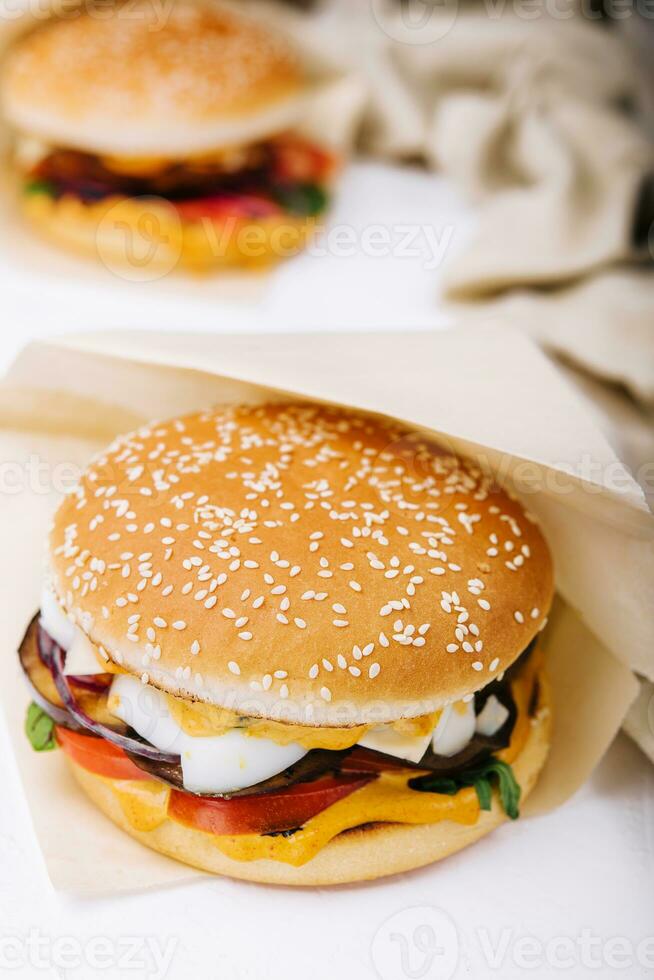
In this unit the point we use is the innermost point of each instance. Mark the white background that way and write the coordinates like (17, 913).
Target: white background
(570, 893)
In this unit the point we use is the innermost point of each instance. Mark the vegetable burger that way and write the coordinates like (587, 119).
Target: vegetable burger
(293, 644)
(179, 128)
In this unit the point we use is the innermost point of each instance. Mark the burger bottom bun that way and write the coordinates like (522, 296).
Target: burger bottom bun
(363, 853)
(142, 239)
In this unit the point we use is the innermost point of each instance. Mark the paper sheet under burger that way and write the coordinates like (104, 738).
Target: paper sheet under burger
(484, 392)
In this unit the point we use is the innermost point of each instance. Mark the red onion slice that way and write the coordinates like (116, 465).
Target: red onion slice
(88, 683)
(124, 742)
(60, 716)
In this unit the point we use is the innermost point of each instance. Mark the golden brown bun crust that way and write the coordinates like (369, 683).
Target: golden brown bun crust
(183, 79)
(357, 855)
(300, 562)
(119, 233)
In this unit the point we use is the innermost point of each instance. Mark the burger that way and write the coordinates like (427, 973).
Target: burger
(293, 644)
(173, 128)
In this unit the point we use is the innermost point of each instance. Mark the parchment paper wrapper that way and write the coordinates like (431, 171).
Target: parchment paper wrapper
(484, 391)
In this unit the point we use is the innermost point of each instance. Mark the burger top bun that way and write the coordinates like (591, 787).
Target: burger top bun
(300, 562)
(141, 79)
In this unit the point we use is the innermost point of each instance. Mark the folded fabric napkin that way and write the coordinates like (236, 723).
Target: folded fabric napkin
(537, 118)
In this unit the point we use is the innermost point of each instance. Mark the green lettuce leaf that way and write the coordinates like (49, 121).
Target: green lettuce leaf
(39, 728)
(483, 777)
(303, 200)
(39, 187)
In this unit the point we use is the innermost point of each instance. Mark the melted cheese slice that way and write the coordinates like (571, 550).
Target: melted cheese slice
(83, 657)
(385, 739)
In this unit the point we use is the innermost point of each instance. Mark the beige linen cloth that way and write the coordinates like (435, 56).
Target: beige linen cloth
(528, 113)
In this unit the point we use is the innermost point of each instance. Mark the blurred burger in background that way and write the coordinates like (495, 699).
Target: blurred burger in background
(174, 124)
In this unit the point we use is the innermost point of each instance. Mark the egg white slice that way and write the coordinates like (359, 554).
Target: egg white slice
(55, 621)
(455, 728)
(491, 718)
(212, 764)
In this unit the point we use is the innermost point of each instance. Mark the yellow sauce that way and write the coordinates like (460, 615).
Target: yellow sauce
(205, 720)
(144, 802)
(123, 230)
(387, 799)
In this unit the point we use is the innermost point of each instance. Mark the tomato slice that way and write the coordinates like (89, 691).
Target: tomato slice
(267, 813)
(219, 207)
(97, 755)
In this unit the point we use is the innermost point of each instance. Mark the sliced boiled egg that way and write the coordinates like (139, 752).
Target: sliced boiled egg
(455, 728)
(81, 657)
(492, 716)
(55, 621)
(211, 764)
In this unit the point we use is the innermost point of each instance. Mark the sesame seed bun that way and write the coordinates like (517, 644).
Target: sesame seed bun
(146, 238)
(300, 563)
(137, 80)
(366, 852)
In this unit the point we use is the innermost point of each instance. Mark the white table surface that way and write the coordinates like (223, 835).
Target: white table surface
(568, 893)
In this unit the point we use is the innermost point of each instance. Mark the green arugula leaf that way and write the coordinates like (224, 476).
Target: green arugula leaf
(38, 187)
(484, 793)
(39, 728)
(481, 777)
(304, 200)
